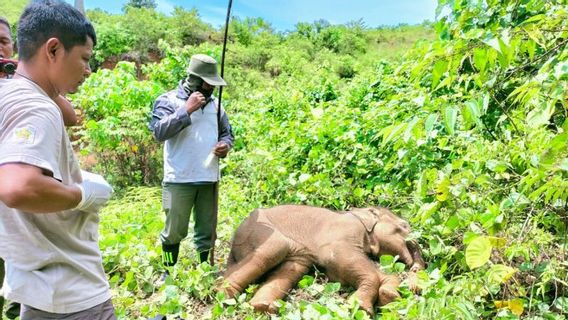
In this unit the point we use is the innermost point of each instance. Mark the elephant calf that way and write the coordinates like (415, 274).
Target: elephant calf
(284, 242)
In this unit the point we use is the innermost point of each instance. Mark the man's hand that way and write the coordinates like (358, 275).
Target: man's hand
(95, 192)
(221, 149)
(195, 101)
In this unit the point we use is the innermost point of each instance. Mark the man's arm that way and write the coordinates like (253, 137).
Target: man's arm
(27, 188)
(69, 115)
(166, 121)
(226, 134)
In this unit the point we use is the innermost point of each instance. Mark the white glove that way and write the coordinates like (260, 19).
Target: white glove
(95, 192)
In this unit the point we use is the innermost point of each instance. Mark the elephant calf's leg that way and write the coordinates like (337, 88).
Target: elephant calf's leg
(254, 265)
(277, 286)
(358, 271)
(388, 291)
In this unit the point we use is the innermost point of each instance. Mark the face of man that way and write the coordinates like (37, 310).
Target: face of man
(206, 89)
(6, 45)
(71, 67)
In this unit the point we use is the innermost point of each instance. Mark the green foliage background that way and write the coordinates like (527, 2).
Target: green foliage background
(11, 9)
(465, 136)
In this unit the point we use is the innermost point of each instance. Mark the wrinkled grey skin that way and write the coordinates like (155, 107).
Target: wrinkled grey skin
(284, 242)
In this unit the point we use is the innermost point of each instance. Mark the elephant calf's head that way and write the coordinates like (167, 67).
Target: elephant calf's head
(388, 230)
(390, 223)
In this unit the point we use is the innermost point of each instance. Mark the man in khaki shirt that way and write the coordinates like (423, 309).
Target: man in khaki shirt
(69, 119)
(48, 206)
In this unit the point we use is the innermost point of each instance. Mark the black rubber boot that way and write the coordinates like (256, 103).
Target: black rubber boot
(12, 310)
(170, 254)
(203, 256)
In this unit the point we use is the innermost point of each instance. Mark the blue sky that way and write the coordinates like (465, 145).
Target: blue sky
(284, 14)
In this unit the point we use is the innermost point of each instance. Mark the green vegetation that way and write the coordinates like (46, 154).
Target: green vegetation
(464, 135)
(11, 9)
(150, 4)
(135, 34)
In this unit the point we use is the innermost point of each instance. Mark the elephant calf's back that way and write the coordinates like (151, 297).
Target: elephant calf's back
(298, 222)
(276, 226)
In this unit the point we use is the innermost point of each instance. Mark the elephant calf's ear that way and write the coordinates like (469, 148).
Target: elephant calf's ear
(367, 218)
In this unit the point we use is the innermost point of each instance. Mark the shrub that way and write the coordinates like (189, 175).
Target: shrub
(116, 107)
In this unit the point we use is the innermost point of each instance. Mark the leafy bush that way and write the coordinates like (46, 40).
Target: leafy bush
(116, 108)
(112, 40)
(140, 29)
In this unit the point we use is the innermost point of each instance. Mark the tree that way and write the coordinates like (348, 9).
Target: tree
(150, 4)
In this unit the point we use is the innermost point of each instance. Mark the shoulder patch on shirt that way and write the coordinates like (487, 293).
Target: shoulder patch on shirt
(23, 135)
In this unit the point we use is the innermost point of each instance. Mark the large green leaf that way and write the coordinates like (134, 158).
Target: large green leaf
(471, 114)
(410, 128)
(478, 252)
(480, 59)
(440, 67)
(493, 42)
(540, 115)
(392, 133)
(450, 117)
(500, 273)
(430, 124)
(443, 189)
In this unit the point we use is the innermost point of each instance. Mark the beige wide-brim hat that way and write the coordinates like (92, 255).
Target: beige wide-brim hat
(205, 67)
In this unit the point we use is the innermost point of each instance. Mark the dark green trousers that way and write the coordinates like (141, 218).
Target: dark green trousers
(180, 201)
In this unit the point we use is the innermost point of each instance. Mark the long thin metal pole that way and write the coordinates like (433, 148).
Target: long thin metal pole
(224, 50)
(214, 235)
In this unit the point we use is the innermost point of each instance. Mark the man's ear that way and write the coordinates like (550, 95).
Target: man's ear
(52, 47)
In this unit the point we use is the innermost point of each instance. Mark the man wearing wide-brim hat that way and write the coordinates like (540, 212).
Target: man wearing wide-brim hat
(186, 120)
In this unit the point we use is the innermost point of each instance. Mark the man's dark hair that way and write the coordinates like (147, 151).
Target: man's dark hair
(45, 19)
(6, 23)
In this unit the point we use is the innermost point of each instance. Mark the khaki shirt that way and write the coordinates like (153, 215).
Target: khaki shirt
(53, 261)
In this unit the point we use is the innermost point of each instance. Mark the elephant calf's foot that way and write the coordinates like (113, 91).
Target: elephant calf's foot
(264, 306)
(387, 295)
(388, 290)
(230, 290)
(368, 308)
(412, 281)
(366, 305)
